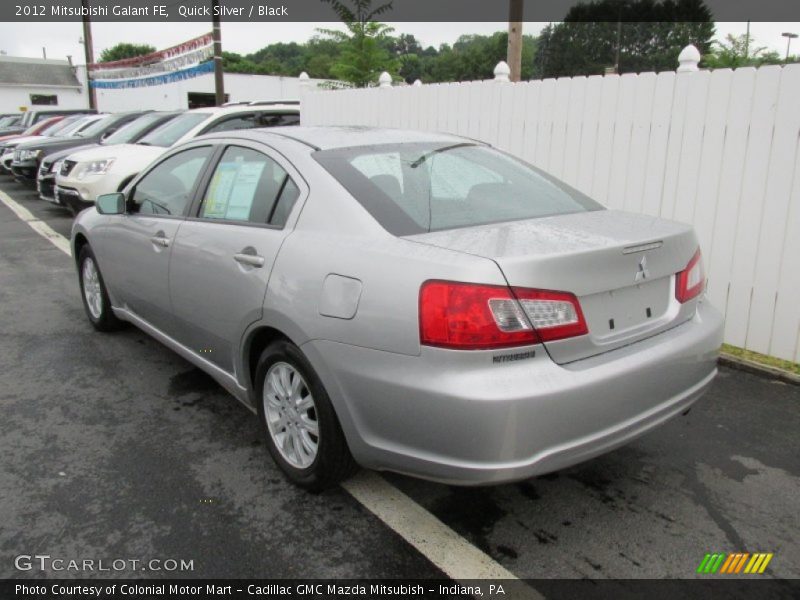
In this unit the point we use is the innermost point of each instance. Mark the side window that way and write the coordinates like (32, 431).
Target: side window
(267, 119)
(286, 201)
(240, 121)
(166, 190)
(244, 187)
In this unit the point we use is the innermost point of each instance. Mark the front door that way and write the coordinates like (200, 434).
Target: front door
(223, 254)
(136, 246)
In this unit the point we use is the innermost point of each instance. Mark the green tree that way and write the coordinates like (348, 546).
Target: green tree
(363, 54)
(646, 35)
(125, 50)
(738, 51)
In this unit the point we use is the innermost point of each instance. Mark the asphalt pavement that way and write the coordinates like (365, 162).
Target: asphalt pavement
(114, 447)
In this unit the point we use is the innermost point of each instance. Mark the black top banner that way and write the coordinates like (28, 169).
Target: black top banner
(396, 11)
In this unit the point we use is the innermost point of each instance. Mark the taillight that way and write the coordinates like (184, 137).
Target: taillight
(691, 281)
(470, 316)
(554, 315)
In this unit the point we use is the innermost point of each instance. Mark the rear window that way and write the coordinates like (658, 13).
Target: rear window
(416, 188)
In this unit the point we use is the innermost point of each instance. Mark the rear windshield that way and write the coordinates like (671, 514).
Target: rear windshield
(416, 188)
(170, 132)
(134, 130)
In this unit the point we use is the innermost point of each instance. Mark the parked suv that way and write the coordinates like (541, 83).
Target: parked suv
(85, 175)
(130, 133)
(29, 155)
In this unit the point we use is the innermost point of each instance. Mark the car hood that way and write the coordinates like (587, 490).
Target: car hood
(21, 140)
(54, 156)
(119, 152)
(54, 144)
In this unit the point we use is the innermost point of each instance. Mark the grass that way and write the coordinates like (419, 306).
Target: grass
(762, 359)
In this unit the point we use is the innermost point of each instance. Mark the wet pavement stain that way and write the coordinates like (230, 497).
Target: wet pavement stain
(507, 551)
(527, 490)
(472, 512)
(633, 561)
(545, 537)
(191, 381)
(594, 565)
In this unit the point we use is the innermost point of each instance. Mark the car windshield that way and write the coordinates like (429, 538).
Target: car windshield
(417, 188)
(134, 130)
(79, 125)
(7, 121)
(96, 128)
(171, 132)
(59, 127)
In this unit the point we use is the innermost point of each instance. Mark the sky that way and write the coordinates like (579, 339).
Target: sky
(62, 39)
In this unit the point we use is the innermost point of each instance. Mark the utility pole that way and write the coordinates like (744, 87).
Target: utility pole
(789, 37)
(514, 54)
(747, 42)
(88, 50)
(219, 84)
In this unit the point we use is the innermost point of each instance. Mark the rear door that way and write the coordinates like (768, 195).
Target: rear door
(224, 253)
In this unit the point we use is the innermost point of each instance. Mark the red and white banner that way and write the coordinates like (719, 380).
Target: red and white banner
(158, 56)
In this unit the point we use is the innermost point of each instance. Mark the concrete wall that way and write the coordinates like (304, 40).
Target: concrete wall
(13, 98)
(173, 96)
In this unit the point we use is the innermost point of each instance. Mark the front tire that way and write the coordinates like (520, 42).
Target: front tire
(302, 431)
(94, 293)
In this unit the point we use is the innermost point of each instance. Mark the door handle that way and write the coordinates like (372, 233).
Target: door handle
(253, 260)
(160, 240)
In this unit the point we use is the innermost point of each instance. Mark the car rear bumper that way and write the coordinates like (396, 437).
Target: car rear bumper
(461, 418)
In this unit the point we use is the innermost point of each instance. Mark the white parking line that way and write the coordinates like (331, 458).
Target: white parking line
(446, 549)
(39, 226)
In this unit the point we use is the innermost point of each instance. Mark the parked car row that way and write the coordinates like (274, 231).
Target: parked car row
(73, 159)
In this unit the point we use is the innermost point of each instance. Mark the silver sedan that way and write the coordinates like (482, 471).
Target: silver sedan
(404, 301)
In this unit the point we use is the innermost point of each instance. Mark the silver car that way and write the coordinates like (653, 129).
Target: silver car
(404, 301)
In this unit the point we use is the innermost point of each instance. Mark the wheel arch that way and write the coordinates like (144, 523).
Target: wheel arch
(78, 244)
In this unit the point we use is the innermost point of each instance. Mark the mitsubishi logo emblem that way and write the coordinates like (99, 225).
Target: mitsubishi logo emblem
(642, 273)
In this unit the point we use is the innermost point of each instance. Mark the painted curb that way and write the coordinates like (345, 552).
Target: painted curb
(741, 364)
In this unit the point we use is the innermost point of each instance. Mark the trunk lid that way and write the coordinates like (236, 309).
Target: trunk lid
(620, 265)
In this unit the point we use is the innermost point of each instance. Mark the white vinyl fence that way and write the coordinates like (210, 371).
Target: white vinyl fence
(716, 149)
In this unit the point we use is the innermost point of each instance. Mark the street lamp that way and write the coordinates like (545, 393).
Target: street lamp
(789, 37)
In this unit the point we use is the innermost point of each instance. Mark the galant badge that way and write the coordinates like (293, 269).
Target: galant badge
(642, 273)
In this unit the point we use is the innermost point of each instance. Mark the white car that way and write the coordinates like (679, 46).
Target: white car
(83, 176)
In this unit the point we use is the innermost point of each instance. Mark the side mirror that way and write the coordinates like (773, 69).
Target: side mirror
(110, 204)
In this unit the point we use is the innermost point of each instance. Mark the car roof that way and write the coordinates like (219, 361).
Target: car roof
(328, 138)
(222, 110)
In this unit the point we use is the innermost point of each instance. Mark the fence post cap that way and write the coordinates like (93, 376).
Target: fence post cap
(303, 78)
(502, 71)
(417, 83)
(688, 59)
(385, 80)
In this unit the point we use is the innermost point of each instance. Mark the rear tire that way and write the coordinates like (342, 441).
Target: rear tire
(302, 431)
(94, 293)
